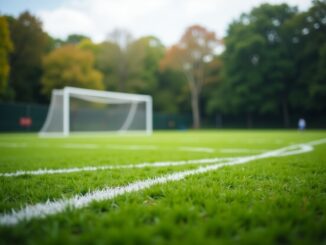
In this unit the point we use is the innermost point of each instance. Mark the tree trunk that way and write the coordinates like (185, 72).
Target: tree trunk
(195, 108)
(194, 93)
(286, 115)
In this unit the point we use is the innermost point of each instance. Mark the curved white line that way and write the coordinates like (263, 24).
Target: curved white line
(287, 151)
(42, 210)
(241, 150)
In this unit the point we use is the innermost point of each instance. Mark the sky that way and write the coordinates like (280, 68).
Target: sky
(165, 19)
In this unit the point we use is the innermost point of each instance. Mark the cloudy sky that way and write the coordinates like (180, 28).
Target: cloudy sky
(166, 19)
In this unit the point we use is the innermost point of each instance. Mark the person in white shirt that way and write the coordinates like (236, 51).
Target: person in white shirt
(301, 124)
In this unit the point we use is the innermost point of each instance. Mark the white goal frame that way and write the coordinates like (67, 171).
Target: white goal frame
(66, 92)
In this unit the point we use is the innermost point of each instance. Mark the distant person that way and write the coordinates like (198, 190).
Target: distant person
(301, 124)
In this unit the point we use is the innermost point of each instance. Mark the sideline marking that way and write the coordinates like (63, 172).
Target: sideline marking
(196, 149)
(80, 146)
(108, 167)
(304, 148)
(241, 150)
(132, 147)
(99, 146)
(42, 210)
(13, 145)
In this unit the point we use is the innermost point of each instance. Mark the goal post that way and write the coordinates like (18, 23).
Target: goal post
(84, 110)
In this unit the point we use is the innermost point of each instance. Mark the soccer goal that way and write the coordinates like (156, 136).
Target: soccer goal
(85, 110)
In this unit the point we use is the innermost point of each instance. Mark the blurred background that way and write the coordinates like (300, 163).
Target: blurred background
(207, 64)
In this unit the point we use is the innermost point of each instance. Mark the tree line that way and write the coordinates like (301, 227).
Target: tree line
(271, 62)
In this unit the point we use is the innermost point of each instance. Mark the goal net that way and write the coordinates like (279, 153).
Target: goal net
(84, 110)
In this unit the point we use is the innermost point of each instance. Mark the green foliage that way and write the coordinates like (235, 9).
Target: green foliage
(88, 45)
(308, 33)
(70, 66)
(149, 51)
(129, 65)
(6, 47)
(52, 43)
(26, 61)
(75, 38)
(171, 95)
(257, 65)
(117, 61)
(274, 63)
(104, 62)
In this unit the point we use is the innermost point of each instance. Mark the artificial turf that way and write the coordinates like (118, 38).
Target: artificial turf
(273, 200)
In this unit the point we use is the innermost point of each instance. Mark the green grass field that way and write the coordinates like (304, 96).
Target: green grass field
(263, 200)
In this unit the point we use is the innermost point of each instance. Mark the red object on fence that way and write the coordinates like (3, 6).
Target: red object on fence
(25, 121)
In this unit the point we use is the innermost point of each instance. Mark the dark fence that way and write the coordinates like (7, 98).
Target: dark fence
(17, 117)
(20, 117)
(168, 121)
(314, 121)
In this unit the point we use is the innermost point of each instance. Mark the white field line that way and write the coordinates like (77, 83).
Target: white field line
(80, 146)
(13, 145)
(42, 210)
(98, 146)
(318, 142)
(114, 147)
(241, 150)
(304, 148)
(196, 149)
(108, 167)
(132, 147)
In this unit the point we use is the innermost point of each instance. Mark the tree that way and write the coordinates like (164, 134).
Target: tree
(119, 61)
(128, 65)
(6, 47)
(144, 56)
(258, 68)
(171, 95)
(307, 33)
(88, 45)
(112, 59)
(52, 43)
(26, 61)
(191, 55)
(70, 66)
(105, 62)
(75, 38)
